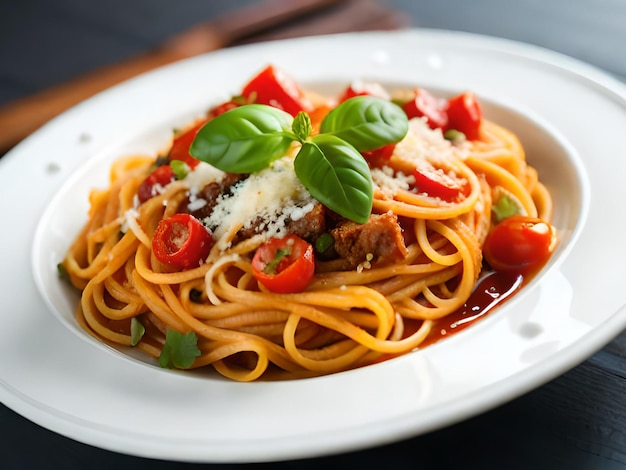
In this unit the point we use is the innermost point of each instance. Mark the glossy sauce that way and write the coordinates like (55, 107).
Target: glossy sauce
(492, 289)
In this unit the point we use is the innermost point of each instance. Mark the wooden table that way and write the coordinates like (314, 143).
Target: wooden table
(576, 421)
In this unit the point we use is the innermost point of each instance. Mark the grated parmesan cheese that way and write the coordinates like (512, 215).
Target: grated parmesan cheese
(202, 175)
(274, 196)
(423, 143)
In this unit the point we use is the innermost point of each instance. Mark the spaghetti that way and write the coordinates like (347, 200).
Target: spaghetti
(377, 289)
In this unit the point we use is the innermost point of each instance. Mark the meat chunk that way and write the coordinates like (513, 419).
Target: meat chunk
(311, 226)
(210, 194)
(308, 227)
(379, 239)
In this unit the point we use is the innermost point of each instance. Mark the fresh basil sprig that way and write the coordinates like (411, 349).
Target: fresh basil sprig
(329, 165)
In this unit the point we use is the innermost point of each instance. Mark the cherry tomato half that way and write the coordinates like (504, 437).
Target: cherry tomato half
(379, 157)
(181, 241)
(519, 243)
(284, 265)
(424, 104)
(464, 115)
(223, 107)
(437, 183)
(273, 87)
(358, 88)
(159, 178)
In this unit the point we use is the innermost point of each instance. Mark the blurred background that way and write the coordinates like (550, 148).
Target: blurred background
(46, 43)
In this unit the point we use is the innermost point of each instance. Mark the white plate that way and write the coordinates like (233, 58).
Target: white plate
(568, 113)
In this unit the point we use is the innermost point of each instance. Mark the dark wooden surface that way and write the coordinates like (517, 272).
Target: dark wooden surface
(577, 421)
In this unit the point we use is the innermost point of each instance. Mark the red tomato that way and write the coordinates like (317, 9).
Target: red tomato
(284, 265)
(520, 244)
(379, 157)
(273, 87)
(433, 109)
(181, 241)
(159, 178)
(437, 183)
(465, 115)
(363, 89)
(181, 144)
(222, 108)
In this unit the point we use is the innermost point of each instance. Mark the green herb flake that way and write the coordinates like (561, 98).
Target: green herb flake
(454, 136)
(180, 169)
(506, 205)
(137, 331)
(324, 242)
(272, 266)
(62, 271)
(179, 350)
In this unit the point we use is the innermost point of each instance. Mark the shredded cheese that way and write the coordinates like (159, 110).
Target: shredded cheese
(266, 200)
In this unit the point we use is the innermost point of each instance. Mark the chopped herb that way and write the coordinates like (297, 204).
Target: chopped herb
(324, 242)
(179, 350)
(454, 136)
(272, 266)
(180, 169)
(506, 205)
(137, 331)
(62, 271)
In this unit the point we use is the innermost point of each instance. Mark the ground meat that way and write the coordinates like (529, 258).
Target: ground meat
(380, 237)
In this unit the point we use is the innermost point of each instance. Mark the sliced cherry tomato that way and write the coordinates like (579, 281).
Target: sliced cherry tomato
(155, 181)
(363, 89)
(465, 115)
(436, 182)
(223, 107)
(519, 244)
(273, 87)
(181, 241)
(379, 157)
(433, 109)
(181, 144)
(284, 265)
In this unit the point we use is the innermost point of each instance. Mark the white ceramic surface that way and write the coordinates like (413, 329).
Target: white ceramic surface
(570, 117)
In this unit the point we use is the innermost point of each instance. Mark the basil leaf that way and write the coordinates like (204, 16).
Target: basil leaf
(337, 175)
(301, 126)
(245, 139)
(366, 122)
(179, 349)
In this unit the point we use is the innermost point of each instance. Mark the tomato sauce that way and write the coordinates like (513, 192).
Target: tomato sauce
(492, 289)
